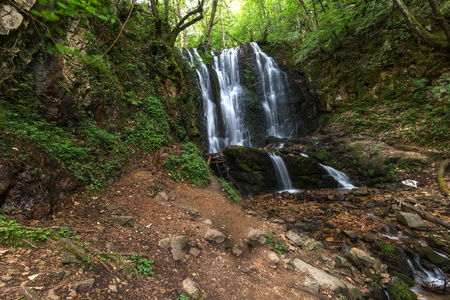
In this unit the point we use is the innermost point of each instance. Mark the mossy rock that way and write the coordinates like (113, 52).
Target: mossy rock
(405, 278)
(435, 258)
(398, 290)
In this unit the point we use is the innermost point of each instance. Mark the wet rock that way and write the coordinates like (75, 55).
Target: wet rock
(213, 235)
(435, 258)
(353, 236)
(360, 192)
(368, 239)
(29, 293)
(256, 237)
(307, 227)
(83, 286)
(399, 290)
(413, 221)
(191, 288)
(273, 257)
(176, 245)
(121, 220)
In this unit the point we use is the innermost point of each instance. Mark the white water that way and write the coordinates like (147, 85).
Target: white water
(209, 107)
(422, 276)
(284, 180)
(274, 86)
(340, 177)
(231, 97)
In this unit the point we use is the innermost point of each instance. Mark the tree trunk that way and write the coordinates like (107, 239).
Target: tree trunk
(211, 21)
(440, 18)
(223, 30)
(313, 24)
(415, 26)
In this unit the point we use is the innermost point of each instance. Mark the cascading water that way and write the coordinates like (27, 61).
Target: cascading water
(340, 177)
(284, 180)
(231, 97)
(209, 107)
(274, 86)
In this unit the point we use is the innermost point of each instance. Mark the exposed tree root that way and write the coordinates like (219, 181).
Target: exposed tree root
(440, 177)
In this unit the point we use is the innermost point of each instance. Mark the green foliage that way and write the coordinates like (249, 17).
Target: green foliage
(13, 234)
(143, 265)
(53, 10)
(183, 297)
(277, 244)
(150, 129)
(189, 166)
(226, 186)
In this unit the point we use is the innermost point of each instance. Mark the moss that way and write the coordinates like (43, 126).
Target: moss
(405, 278)
(399, 290)
(435, 258)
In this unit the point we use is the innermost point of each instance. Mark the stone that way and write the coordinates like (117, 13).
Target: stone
(6, 278)
(25, 4)
(176, 245)
(121, 220)
(307, 227)
(236, 251)
(322, 277)
(193, 212)
(368, 239)
(353, 236)
(341, 262)
(10, 19)
(411, 220)
(162, 198)
(278, 221)
(191, 288)
(256, 237)
(58, 273)
(194, 252)
(295, 238)
(273, 257)
(213, 235)
(68, 258)
(29, 293)
(83, 286)
(397, 287)
(360, 192)
(51, 295)
(359, 257)
(113, 288)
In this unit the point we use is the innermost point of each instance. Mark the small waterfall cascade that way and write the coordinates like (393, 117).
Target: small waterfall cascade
(340, 177)
(274, 86)
(231, 97)
(434, 278)
(284, 180)
(209, 107)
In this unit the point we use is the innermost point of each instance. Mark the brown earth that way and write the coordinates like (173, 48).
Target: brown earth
(218, 272)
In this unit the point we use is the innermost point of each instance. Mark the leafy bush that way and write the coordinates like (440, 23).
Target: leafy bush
(189, 166)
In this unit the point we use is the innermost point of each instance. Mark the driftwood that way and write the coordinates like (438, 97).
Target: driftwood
(440, 177)
(424, 214)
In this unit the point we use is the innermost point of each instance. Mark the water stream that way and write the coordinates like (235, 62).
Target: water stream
(342, 178)
(284, 180)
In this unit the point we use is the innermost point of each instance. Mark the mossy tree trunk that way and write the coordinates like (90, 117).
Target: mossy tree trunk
(417, 28)
(440, 18)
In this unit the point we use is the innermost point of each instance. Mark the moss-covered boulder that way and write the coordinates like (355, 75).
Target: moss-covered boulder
(436, 259)
(398, 290)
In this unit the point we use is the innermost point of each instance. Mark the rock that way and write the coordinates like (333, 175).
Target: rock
(236, 251)
(191, 288)
(400, 290)
(58, 273)
(121, 220)
(295, 238)
(68, 258)
(29, 293)
(411, 220)
(51, 295)
(353, 236)
(83, 286)
(256, 237)
(213, 235)
(273, 257)
(312, 244)
(6, 278)
(307, 227)
(438, 260)
(322, 277)
(368, 239)
(193, 212)
(194, 252)
(359, 257)
(341, 262)
(25, 4)
(109, 247)
(278, 221)
(113, 288)
(176, 244)
(360, 192)
(10, 19)
(162, 198)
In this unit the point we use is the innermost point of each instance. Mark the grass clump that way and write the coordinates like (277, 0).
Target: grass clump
(189, 166)
(226, 186)
(13, 234)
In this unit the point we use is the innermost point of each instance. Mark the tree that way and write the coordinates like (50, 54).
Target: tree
(211, 23)
(164, 32)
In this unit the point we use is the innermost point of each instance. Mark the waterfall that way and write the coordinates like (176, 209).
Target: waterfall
(231, 97)
(284, 180)
(340, 177)
(230, 109)
(274, 84)
(209, 107)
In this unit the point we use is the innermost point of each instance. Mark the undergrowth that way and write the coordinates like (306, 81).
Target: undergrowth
(226, 186)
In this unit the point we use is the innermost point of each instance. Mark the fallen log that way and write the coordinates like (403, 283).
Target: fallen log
(423, 214)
